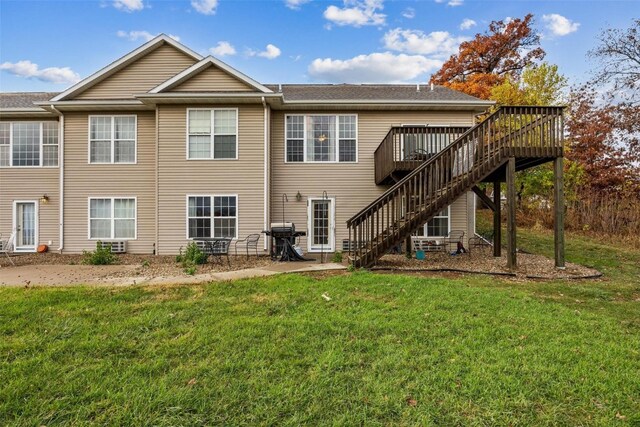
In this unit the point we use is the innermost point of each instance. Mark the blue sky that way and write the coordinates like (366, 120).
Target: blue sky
(47, 45)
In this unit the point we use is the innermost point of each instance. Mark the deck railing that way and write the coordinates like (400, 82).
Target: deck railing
(404, 148)
(443, 177)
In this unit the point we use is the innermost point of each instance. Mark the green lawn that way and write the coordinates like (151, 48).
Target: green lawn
(386, 350)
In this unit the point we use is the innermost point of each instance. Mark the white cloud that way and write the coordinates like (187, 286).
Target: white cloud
(437, 43)
(454, 3)
(356, 13)
(409, 13)
(467, 23)
(295, 4)
(383, 67)
(559, 25)
(206, 7)
(28, 69)
(128, 5)
(136, 35)
(270, 52)
(223, 48)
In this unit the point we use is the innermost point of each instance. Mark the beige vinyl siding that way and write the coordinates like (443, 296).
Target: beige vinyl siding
(352, 185)
(212, 79)
(30, 184)
(140, 76)
(179, 177)
(84, 180)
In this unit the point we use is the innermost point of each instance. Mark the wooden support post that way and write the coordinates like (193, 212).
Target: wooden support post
(558, 185)
(497, 226)
(511, 214)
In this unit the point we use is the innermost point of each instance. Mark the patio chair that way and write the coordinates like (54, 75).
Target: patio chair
(250, 242)
(455, 237)
(219, 248)
(6, 246)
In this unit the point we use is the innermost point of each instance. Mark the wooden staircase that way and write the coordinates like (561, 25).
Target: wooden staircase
(530, 135)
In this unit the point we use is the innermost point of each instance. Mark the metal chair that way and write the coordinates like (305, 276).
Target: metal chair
(250, 242)
(455, 237)
(7, 246)
(219, 248)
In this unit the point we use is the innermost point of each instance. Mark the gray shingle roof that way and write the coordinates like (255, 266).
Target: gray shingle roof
(24, 99)
(369, 92)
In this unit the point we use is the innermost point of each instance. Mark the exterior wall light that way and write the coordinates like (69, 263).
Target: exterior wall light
(298, 197)
(44, 199)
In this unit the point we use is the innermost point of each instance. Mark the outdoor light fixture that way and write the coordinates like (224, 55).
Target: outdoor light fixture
(322, 138)
(44, 199)
(298, 197)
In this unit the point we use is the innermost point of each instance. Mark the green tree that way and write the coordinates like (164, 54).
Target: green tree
(538, 85)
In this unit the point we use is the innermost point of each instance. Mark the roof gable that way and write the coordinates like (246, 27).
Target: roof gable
(210, 75)
(138, 71)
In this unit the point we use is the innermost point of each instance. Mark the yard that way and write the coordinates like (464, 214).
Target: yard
(386, 349)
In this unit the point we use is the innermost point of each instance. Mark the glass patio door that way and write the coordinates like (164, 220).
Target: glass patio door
(26, 226)
(321, 225)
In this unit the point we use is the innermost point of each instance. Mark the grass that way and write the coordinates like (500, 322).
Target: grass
(385, 350)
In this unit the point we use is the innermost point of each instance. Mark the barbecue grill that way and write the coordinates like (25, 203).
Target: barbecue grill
(283, 237)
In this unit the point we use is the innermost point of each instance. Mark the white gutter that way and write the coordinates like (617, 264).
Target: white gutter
(61, 178)
(266, 169)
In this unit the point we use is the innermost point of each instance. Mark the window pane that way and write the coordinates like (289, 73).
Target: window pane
(124, 208)
(347, 127)
(224, 227)
(438, 227)
(50, 133)
(199, 206)
(124, 151)
(295, 150)
(5, 133)
(100, 229)
(124, 229)
(320, 222)
(100, 128)
(347, 150)
(125, 127)
(321, 138)
(224, 121)
(199, 147)
(295, 127)
(224, 206)
(49, 155)
(100, 208)
(224, 147)
(199, 227)
(200, 122)
(4, 155)
(100, 152)
(26, 144)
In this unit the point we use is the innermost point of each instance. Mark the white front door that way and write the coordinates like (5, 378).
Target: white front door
(25, 224)
(321, 227)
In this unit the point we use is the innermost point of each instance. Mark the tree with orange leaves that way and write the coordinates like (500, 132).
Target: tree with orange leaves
(490, 58)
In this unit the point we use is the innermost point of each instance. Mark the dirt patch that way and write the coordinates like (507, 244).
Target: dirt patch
(529, 265)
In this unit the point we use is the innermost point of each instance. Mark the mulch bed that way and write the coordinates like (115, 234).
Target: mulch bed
(143, 265)
(530, 266)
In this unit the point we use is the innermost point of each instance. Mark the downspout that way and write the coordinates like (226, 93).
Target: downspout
(266, 168)
(157, 179)
(61, 178)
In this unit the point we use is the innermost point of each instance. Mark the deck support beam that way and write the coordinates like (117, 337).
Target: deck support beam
(497, 226)
(485, 199)
(558, 229)
(511, 213)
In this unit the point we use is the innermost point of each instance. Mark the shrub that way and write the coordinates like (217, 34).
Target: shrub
(337, 257)
(351, 268)
(101, 256)
(191, 258)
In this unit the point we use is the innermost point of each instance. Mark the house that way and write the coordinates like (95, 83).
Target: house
(164, 145)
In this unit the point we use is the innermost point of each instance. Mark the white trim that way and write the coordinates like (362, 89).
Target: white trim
(337, 130)
(265, 178)
(332, 225)
(424, 227)
(113, 135)
(213, 134)
(195, 68)
(41, 145)
(212, 217)
(112, 218)
(123, 61)
(61, 181)
(36, 225)
(393, 101)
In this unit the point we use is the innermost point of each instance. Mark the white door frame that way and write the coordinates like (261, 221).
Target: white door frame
(36, 225)
(332, 225)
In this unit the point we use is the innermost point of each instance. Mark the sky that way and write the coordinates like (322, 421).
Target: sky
(49, 45)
